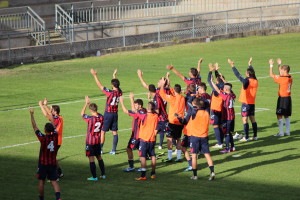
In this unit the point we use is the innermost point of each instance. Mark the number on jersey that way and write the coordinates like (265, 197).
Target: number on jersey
(97, 127)
(51, 146)
(115, 101)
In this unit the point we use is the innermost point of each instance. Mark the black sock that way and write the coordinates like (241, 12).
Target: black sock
(130, 162)
(102, 168)
(59, 172)
(195, 172)
(161, 136)
(218, 135)
(212, 169)
(101, 145)
(152, 172)
(227, 140)
(231, 140)
(190, 162)
(221, 135)
(254, 126)
(41, 197)
(115, 142)
(246, 130)
(93, 169)
(57, 194)
(143, 174)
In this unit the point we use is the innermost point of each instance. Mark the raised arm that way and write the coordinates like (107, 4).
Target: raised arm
(168, 79)
(46, 111)
(214, 86)
(140, 75)
(94, 73)
(162, 91)
(122, 105)
(171, 67)
(271, 62)
(33, 123)
(115, 74)
(87, 102)
(237, 74)
(210, 79)
(199, 65)
(278, 63)
(131, 97)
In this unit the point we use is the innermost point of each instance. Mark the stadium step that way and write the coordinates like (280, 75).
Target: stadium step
(55, 37)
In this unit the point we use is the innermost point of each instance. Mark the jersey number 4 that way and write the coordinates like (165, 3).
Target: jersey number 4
(50, 146)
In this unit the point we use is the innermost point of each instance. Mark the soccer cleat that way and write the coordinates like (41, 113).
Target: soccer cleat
(112, 152)
(279, 135)
(236, 136)
(287, 134)
(101, 152)
(92, 179)
(139, 170)
(61, 175)
(178, 160)
(189, 168)
(194, 178)
(232, 149)
(159, 147)
(212, 176)
(129, 169)
(153, 176)
(141, 179)
(217, 146)
(175, 152)
(102, 177)
(57, 180)
(225, 151)
(244, 139)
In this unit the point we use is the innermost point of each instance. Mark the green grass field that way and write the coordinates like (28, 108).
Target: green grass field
(266, 169)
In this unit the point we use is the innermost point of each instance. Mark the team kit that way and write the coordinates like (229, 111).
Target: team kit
(185, 124)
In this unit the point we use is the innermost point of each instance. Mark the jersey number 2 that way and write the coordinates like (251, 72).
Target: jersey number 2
(97, 125)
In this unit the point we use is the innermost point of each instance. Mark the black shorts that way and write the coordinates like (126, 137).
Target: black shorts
(228, 126)
(93, 150)
(185, 142)
(215, 117)
(247, 110)
(162, 127)
(284, 106)
(199, 144)
(133, 143)
(47, 171)
(174, 131)
(146, 149)
(110, 122)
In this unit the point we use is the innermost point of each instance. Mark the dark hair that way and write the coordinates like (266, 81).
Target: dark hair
(49, 127)
(152, 88)
(219, 79)
(251, 72)
(203, 85)
(139, 101)
(199, 103)
(93, 107)
(152, 106)
(115, 83)
(194, 71)
(286, 68)
(177, 88)
(56, 109)
(229, 84)
(192, 87)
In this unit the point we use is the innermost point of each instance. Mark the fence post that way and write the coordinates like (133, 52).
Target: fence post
(87, 37)
(158, 31)
(147, 11)
(119, 9)
(49, 42)
(226, 23)
(260, 23)
(124, 42)
(9, 49)
(92, 11)
(193, 26)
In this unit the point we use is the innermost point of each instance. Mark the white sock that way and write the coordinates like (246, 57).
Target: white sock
(178, 154)
(280, 125)
(170, 154)
(287, 125)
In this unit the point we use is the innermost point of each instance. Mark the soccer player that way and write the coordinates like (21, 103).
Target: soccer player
(160, 105)
(228, 114)
(147, 135)
(284, 102)
(198, 126)
(247, 98)
(93, 138)
(216, 106)
(194, 74)
(47, 157)
(177, 105)
(54, 114)
(111, 109)
(134, 141)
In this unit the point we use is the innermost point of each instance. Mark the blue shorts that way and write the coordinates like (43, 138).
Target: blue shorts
(215, 117)
(199, 144)
(47, 171)
(248, 110)
(133, 143)
(228, 126)
(146, 149)
(186, 141)
(110, 122)
(93, 150)
(162, 127)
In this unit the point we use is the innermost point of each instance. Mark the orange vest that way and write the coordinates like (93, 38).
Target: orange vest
(199, 125)
(248, 95)
(216, 103)
(148, 128)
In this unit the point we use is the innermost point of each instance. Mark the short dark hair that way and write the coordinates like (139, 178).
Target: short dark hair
(56, 109)
(251, 72)
(192, 87)
(152, 88)
(194, 71)
(203, 85)
(93, 107)
(199, 103)
(177, 88)
(152, 106)
(49, 127)
(229, 84)
(115, 83)
(139, 101)
(286, 68)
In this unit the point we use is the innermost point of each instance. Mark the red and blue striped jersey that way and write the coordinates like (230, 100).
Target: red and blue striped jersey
(161, 106)
(113, 97)
(95, 124)
(48, 149)
(136, 121)
(228, 106)
(196, 80)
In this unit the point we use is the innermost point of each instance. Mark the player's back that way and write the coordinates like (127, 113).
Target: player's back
(248, 95)
(148, 127)
(95, 124)
(48, 148)
(198, 124)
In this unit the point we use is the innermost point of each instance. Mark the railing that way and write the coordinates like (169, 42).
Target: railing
(14, 19)
(64, 23)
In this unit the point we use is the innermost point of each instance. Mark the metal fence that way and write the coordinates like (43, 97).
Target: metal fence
(91, 38)
(23, 18)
